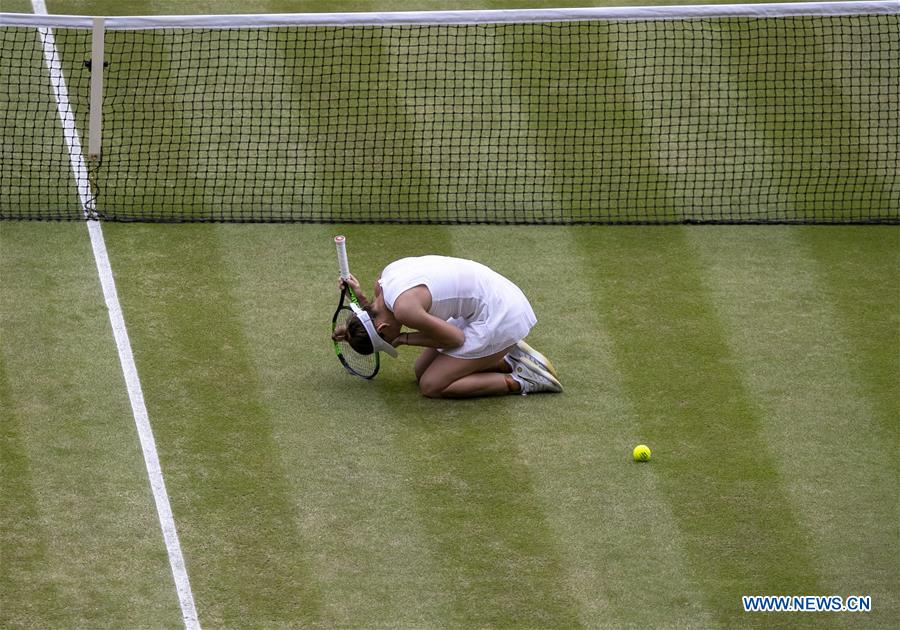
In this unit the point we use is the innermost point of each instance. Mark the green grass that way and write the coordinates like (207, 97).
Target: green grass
(759, 363)
(80, 538)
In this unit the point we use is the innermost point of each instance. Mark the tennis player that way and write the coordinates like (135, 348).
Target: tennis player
(470, 320)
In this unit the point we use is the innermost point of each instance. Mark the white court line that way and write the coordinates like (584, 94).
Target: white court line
(126, 358)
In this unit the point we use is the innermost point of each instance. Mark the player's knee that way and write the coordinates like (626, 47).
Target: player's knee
(431, 388)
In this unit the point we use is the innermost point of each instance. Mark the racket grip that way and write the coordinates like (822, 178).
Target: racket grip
(341, 244)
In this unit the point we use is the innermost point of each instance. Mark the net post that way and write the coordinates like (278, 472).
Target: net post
(95, 122)
(96, 114)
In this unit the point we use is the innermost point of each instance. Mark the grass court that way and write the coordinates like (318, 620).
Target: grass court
(759, 363)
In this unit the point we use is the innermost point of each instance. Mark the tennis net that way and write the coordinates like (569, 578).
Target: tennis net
(734, 114)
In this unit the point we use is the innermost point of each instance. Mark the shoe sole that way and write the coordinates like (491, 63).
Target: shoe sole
(538, 358)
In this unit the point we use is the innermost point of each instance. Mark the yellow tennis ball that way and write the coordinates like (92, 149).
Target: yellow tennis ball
(641, 453)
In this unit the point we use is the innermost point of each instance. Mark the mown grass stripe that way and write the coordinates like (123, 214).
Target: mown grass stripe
(496, 554)
(215, 433)
(104, 558)
(722, 484)
(858, 273)
(801, 368)
(557, 133)
(614, 529)
(25, 595)
(487, 535)
(339, 442)
(858, 277)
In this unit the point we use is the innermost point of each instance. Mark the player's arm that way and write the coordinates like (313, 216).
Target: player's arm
(429, 331)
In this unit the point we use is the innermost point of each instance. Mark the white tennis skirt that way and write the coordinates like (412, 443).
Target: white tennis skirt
(496, 327)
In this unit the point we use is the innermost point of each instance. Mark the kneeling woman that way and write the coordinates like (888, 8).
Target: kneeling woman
(470, 320)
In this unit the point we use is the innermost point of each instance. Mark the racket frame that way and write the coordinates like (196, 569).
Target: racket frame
(341, 246)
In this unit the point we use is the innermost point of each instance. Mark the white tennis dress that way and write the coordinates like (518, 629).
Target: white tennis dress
(492, 311)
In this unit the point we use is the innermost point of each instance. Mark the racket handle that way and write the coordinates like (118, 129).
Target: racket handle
(341, 244)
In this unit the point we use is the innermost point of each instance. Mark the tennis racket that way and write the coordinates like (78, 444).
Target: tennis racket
(362, 365)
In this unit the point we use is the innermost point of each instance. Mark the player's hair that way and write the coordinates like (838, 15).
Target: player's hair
(356, 333)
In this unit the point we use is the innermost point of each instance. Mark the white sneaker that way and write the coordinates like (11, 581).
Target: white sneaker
(532, 378)
(522, 350)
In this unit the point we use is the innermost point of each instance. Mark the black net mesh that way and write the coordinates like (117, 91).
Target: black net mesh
(793, 119)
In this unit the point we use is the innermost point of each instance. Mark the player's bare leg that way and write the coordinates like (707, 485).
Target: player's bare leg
(424, 360)
(452, 377)
(428, 355)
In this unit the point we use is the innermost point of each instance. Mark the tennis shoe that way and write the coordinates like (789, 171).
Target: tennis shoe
(532, 378)
(522, 350)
